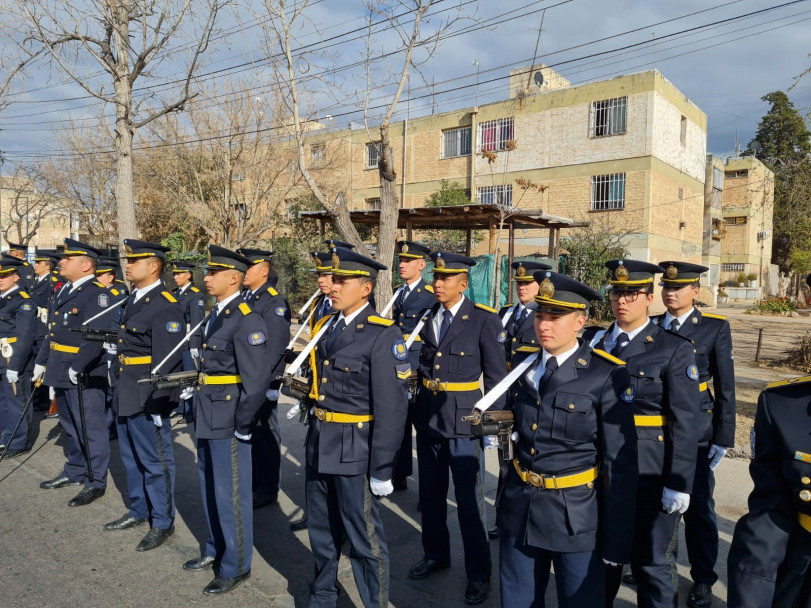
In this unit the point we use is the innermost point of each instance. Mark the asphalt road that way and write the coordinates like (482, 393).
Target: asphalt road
(54, 555)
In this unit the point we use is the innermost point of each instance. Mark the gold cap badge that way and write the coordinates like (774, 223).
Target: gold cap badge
(440, 263)
(672, 272)
(520, 271)
(621, 273)
(404, 248)
(547, 288)
(336, 261)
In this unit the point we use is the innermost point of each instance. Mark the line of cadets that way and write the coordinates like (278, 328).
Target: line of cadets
(610, 447)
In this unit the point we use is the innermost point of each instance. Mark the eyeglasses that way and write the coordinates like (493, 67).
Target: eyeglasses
(630, 296)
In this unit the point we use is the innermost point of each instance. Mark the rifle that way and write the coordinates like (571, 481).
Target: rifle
(498, 423)
(413, 382)
(175, 380)
(97, 335)
(295, 387)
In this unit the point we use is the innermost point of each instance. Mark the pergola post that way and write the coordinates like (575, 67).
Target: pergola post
(510, 257)
(408, 230)
(469, 242)
(554, 233)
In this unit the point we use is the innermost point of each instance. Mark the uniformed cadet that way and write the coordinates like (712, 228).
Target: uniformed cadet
(66, 358)
(42, 293)
(151, 326)
(18, 321)
(568, 496)
(193, 304)
(459, 344)
(712, 342)
(272, 306)
(771, 548)
(360, 375)
(664, 383)
(414, 296)
(26, 272)
(322, 305)
(332, 244)
(231, 389)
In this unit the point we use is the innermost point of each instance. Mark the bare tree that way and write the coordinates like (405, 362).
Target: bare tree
(29, 200)
(129, 40)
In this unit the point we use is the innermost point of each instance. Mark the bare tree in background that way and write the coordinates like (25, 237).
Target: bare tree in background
(29, 199)
(129, 40)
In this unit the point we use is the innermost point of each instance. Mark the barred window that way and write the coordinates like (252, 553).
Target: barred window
(456, 142)
(374, 151)
(494, 134)
(495, 195)
(318, 152)
(732, 267)
(608, 117)
(734, 174)
(373, 203)
(607, 192)
(717, 178)
(733, 221)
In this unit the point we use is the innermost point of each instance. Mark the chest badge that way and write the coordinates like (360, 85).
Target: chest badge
(502, 336)
(399, 350)
(173, 327)
(104, 301)
(628, 394)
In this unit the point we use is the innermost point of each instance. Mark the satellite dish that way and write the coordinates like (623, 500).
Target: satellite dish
(538, 78)
(755, 146)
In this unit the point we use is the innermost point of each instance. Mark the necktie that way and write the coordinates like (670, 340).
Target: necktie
(334, 333)
(447, 319)
(401, 298)
(674, 325)
(211, 321)
(519, 317)
(325, 306)
(551, 366)
(621, 340)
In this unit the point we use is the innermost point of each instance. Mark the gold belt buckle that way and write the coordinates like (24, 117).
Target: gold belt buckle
(534, 479)
(433, 385)
(122, 359)
(320, 414)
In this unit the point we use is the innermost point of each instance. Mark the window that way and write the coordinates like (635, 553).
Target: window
(373, 203)
(718, 229)
(495, 195)
(736, 221)
(318, 153)
(456, 142)
(680, 193)
(717, 178)
(734, 174)
(607, 192)
(373, 152)
(732, 267)
(494, 134)
(683, 131)
(608, 117)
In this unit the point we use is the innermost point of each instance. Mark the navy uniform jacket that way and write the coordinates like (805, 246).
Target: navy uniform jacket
(115, 316)
(275, 311)
(18, 324)
(42, 293)
(420, 297)
(712, 342)
(771, 551)
(234, 346)
(193, 304)
(122, 287)
(68, 312)
(365, 372)
(469, 349)
(150, 327)
(519, 343)
(664, 382)
(27, 276)
(581, 421)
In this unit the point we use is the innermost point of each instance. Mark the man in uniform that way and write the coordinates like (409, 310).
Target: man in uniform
(664, 385)
(272, 306)
(42, 293)
(26, 273)
(322, 305)
(152, 325)
(231, 389)
(410, 303)
(360, 374)
(712, 342)
(459, 344)
(568, 495)
(771, 548)
(75, 368)
(193, 304)
(18, 320)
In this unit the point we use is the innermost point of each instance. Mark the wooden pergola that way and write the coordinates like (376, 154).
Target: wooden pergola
(468, 218)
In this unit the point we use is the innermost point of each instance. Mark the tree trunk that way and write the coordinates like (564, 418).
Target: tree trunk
(388, 216)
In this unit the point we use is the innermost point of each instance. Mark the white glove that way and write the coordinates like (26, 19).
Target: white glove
(73, 375)
(195, 353)
(39, 371)
(716, 455)
(514, 436)
(51, 393)
(673, 501)
(187, 393)
(294, 411)
(608, 563)
(381, 488)
(490, 442)
(12, 376)
(157, 420)
(272, 394)
(243, 437)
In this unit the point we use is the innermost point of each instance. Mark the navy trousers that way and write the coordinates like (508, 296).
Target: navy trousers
(112, 383)
(146, 451)
(98, 438)
(266, 452)
(343, 507)
(524, 576)
(437, 459)
(224, 467)
(11, 412)
(700, 523)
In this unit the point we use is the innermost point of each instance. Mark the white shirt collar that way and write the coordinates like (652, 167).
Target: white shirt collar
(183, 289)
(413, 284)
(12, 290)
(535, 372)
(79, 282)
(349, 319)
(441, 314)
(681, 319)
(221, 305)
(631, 334)
(141, 292)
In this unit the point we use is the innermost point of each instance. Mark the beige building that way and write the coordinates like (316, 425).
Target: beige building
(24, 211)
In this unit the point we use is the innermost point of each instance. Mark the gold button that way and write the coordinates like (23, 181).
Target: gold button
(121, 369)
(538, 402)
(202, 359)
(214, 347)
(204, 344)
(514, 339)
(52, 335)
(534, 427)
(121, 341)
(122, 327)
(805, 495)
(228, 397)
(660, 438)
(227, 311)
(571, 406)
(198, 389)
(321, 397)
(436, 367)
(590, 485)
(806, 480)
(641, 373)
(531, 450)
(346, 369)
(360, 425)
(323, 380)
(401, 324)
(462, 354)
(326, 362)
(439, 354)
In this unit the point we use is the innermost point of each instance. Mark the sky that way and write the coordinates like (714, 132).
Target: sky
(720, 60)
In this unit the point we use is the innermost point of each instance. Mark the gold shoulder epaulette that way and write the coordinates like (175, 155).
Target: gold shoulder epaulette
(24, 295)
(114, 291)
(375, 320)
(245, 309)
(800, 380)
(713, 316)
(320, 323)
(429, 288)
(487, 308)
(607, 357)
(169, 297)
(194, 289)
(54, 278)
(527, 349)
(97, 284)
(272, 291)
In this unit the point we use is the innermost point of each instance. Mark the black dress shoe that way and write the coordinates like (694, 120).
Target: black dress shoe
(628, 578)
(493, 533)
(426, 567)
(700, 596)
(476, 591)
(125, 522)
(86, 496)
(223, 585)
(11, 453)
(154, 538)
(263, 499)
(203, 562)
(60, 481)
(400, 484)
(301, 524)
